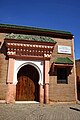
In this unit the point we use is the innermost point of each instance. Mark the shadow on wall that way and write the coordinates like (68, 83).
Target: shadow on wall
(53, 70)
(3, 50)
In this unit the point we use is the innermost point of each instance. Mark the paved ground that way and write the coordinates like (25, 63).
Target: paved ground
(39, 112)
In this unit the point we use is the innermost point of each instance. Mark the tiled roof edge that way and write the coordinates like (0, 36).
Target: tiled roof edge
(30, 37)
(33, 28)
(64, 60)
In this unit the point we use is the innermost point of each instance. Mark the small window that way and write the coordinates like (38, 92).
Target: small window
(62, 75)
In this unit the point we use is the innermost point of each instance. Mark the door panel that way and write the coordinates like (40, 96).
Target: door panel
(27, 88)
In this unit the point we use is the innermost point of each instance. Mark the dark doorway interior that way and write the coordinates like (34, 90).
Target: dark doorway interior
(78, 88)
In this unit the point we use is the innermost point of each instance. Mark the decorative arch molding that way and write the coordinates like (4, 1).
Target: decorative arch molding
(37, 64)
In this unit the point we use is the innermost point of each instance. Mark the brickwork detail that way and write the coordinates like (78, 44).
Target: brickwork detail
(62, 92)
(3, 68)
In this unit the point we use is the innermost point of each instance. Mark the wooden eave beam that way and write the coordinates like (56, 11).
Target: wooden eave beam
(24, 47)
(36, 32)
(29, 57)
(63, 65)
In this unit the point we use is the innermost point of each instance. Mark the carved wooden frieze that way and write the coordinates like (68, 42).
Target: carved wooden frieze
(28, 49)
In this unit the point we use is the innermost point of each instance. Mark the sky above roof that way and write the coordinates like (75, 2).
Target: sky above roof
(50, 14)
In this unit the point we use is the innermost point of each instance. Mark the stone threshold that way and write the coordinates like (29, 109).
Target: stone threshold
(26, 102)
(2, 101)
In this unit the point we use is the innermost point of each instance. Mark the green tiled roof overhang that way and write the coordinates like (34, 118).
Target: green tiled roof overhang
(61, 60)
(30, 37)
(33, 28)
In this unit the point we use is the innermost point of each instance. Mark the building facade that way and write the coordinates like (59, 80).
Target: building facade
(78, 78)
(36, 65)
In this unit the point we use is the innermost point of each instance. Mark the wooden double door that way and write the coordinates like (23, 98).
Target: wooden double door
(27, 88)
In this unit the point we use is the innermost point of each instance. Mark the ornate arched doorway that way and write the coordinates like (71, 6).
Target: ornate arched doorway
(27, 88)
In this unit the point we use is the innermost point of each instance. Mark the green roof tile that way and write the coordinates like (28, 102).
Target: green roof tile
(61, 60)
(30, 37)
